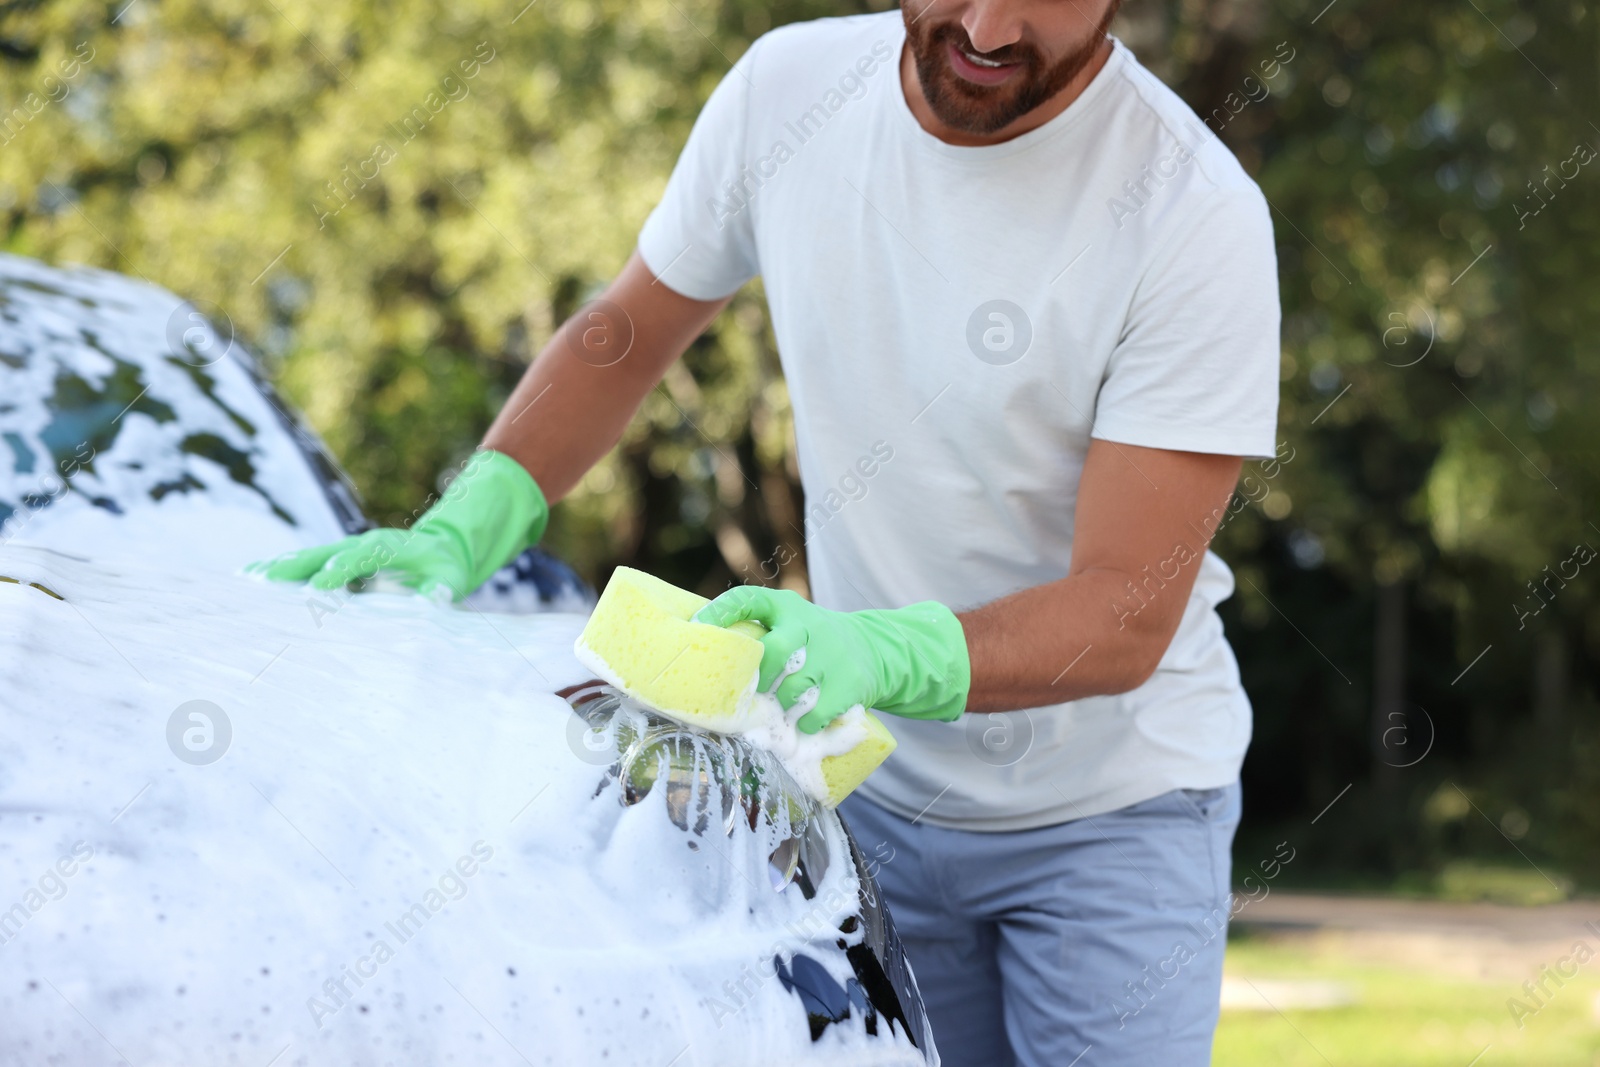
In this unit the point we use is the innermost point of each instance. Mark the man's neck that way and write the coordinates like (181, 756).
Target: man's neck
(911, 85)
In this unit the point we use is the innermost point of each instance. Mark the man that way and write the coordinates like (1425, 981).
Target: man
(1026, 299)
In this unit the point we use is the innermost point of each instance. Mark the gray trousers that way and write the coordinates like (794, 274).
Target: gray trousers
(1093, 943)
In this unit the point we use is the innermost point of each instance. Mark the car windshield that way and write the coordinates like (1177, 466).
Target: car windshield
(126, 412)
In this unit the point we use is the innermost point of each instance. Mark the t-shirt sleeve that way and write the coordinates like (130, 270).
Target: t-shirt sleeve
(1196, 369)
(700, 239)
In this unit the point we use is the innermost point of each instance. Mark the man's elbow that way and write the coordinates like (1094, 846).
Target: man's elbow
(1139, 665)
(1129, 680)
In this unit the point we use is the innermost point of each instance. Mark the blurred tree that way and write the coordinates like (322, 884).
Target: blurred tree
(399, 203)
(1436, 215)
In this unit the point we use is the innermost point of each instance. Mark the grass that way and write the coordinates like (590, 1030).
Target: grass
(1403, 1017)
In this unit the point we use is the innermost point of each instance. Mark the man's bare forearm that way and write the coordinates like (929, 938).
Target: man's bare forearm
(573, 403)
(1145, 518)
(1058, 642)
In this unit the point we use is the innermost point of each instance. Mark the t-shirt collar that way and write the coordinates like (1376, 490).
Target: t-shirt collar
(913, 131)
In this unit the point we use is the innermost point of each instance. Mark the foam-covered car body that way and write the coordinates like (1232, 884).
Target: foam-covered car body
(253, 823)
(126, 414)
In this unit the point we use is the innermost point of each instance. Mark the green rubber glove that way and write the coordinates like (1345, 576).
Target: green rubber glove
(911, 661)
(492, 511)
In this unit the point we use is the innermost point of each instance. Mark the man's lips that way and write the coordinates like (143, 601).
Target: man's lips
(977, 73)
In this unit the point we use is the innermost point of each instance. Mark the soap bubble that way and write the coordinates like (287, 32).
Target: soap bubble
(796, 660)
(199, 732)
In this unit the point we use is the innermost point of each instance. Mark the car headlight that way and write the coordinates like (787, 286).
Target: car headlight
(711, 781)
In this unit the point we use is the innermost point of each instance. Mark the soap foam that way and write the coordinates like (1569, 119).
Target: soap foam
(801, 753)
(375, 741)
(770, 727)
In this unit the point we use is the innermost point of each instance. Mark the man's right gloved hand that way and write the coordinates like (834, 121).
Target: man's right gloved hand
(491, 512)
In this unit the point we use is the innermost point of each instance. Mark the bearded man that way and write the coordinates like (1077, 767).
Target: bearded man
(1027, 306)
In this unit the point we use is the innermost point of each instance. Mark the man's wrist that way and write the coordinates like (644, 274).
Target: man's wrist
(498, 473)
(539, 507)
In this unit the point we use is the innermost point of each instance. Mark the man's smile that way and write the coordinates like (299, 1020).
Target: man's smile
(974, 68)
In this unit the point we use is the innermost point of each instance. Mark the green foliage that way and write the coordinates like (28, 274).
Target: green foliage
(1438, 348)
(398, 203)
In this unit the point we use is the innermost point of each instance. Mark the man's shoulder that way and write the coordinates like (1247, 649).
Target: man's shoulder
(1168, 170)
(1164, 119)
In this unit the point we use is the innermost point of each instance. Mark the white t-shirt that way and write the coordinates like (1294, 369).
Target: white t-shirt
(955, 324)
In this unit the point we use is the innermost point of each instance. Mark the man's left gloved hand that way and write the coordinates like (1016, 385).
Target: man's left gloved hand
(910, 661)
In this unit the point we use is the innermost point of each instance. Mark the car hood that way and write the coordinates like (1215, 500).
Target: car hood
(380, 841)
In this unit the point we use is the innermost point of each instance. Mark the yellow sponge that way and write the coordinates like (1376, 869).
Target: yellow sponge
(844, 772)
(642, 640)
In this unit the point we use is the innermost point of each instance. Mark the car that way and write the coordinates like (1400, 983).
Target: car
(246, 822)
(127, 413)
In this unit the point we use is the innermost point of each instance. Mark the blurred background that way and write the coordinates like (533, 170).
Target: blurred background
(1417, 611)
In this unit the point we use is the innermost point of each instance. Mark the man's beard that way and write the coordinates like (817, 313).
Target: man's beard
(982, 109)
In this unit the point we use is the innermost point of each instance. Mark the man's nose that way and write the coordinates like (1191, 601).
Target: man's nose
(992, 24)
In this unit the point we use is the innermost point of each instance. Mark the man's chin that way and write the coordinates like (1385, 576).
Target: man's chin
(962, 108)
